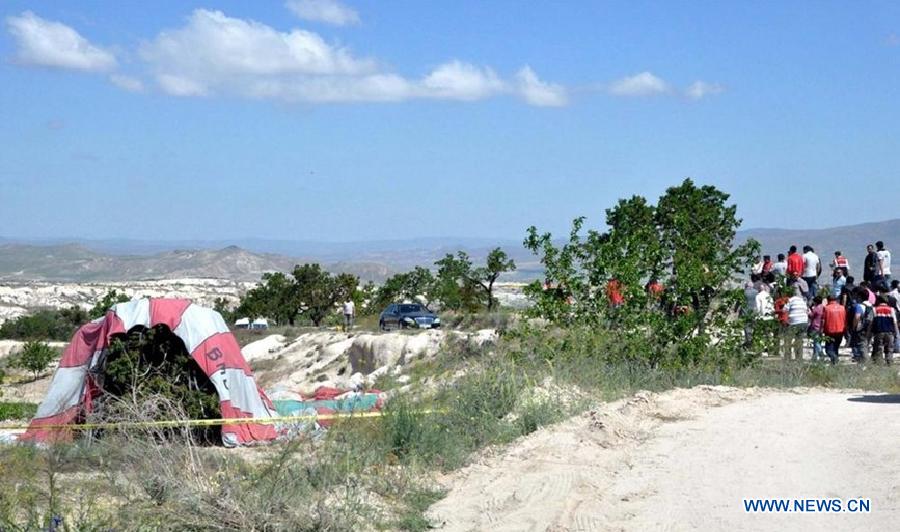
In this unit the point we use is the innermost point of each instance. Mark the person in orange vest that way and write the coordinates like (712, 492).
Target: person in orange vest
(834, 326)
(794, 263)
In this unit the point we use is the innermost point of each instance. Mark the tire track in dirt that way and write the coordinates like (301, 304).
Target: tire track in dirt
(671, 462)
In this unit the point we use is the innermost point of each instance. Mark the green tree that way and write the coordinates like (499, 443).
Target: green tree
(275, 297)
(318, 292)
(454, 285)
(35, 357)
(106, 302)
(686, 241)
(413, 285)
(497, 263)
(224, 307)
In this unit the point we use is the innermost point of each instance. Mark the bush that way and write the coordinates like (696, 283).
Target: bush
(153, 366)
(44, 325)
(106, 302)
(15, 410)
(35, 357)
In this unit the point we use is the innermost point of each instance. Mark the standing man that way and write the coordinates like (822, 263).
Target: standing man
(883, 330)
(870, 265)
(840, 261)
(838, 281)
(798, 321)
(780, 267)
(349, 313)
(859, 330)
(812, 269)
(835, 318)
(817, 327)
(794, 263)
(884, 263)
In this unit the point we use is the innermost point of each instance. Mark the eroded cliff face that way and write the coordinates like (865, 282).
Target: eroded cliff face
(18, 298)
(341, 360)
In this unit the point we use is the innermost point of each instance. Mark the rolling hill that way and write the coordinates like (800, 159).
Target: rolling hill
(116, 260)
(851, 239)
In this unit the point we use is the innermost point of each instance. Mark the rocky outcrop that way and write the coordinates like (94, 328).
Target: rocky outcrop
(342, 360)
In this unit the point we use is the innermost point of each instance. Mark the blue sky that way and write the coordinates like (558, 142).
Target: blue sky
(359, 120)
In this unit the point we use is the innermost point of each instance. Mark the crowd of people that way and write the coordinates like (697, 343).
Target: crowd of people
(791, 306)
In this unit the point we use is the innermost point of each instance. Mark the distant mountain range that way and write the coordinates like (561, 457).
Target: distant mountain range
(78, 262)
(128, 260)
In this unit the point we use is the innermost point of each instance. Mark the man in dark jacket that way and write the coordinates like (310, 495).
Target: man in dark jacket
(870, 266)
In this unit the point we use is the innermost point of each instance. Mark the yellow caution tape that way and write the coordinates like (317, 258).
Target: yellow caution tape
(207, 422)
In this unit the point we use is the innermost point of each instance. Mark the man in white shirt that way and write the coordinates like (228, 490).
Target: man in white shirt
(780, 267)
(812, 268)
(884, 263)
(349, 312)
(798, 321)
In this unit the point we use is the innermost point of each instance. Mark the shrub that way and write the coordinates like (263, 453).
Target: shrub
(35, 357)
(16, 410)
(153, 366)
(44, 325)
(106, 302)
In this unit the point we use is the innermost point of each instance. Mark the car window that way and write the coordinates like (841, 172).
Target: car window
(410, 308)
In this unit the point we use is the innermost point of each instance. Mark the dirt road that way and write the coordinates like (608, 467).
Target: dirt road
(674, 462)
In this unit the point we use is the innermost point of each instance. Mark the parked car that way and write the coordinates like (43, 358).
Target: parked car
(407, 315)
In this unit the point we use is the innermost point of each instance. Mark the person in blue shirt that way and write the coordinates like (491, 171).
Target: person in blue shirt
(838, 281)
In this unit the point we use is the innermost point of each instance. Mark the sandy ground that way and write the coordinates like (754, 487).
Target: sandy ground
(670, 462)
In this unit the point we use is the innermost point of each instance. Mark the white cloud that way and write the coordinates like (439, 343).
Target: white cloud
(643, 84)
(127, 83)
(540, 93)
(461, 81)
(327, 11)
(216, 54)
(53, 44)
(179, 86)
(214, 51)
(701, 89)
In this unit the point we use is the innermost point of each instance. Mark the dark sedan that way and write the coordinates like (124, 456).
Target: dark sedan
(407, 315)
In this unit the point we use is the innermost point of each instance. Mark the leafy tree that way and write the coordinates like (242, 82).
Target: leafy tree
(455, 286)
(316, 292)
(309, 292)
(275, 297)
(106, 302)
(498, 262)
(35, 357)
(412, 285)
(685, 242)
(224, 307)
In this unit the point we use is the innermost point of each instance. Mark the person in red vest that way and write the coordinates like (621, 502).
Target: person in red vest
(794, 263)
(883, 330)
(767, 264)
(654, 288)
(614, 293)
(835, 324)
(840, 261)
